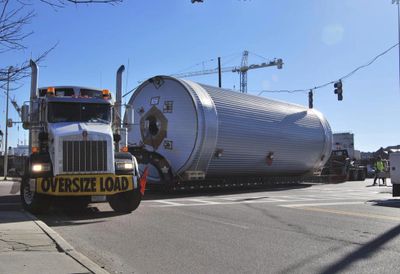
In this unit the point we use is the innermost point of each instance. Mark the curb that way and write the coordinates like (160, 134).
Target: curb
(66, 247)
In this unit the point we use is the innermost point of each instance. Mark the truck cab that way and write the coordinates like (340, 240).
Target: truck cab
(78, 149)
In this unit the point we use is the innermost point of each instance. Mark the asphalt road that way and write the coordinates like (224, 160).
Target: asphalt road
(349, 227)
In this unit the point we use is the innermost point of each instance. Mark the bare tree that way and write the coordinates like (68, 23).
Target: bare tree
(13, 22)
(63, 3)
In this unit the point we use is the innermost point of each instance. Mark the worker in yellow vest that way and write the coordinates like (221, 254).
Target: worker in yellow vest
(379, 168)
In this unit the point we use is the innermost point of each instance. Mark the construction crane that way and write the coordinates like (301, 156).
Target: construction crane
(16, 106)
(242, 70)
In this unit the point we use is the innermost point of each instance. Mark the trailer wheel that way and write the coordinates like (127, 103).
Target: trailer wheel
(32, 201)
(125, 202)
(396, 190)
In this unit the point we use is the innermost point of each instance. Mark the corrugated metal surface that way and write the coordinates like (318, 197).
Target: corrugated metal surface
(243, 128)
(250, 127)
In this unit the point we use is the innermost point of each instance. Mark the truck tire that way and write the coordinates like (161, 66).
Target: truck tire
(125, 202)
(396, 190)
(32, 201)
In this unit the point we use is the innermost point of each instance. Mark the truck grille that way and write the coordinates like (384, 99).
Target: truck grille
(84, 156)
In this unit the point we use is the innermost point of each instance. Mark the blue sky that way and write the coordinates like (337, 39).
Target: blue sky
(318, 40)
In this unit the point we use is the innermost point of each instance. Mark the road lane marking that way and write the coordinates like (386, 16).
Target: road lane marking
(15, 188)
(177, 204)
(230, 224)
(202, 201)
(169, 203)
(350, 213)
(322, 204)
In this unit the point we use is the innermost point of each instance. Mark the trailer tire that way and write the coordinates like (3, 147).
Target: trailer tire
(31, 201)
(125, 202)
(396, 190)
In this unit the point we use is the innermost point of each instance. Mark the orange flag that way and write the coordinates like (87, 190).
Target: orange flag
(143, 180)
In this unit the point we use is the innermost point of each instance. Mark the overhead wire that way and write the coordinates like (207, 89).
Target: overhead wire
(348, 75)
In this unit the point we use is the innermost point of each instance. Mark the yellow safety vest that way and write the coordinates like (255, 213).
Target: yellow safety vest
(380, 166)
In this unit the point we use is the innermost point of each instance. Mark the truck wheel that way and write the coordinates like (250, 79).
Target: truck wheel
(32, 201)
(125, 202)
(396, 190)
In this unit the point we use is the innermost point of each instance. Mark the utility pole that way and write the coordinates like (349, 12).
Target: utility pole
(6, 143)
(219, 73)
(398, 28)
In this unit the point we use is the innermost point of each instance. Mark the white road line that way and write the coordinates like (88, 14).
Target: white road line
(231, 224)
(202, 201)
(322, 204)
(169, 203)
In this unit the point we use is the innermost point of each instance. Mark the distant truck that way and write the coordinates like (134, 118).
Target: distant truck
(344, 162)
(394, 159)
(77, 149)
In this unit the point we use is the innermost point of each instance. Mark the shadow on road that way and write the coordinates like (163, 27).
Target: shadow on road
(364, 252)
(386, 203)
(64, 217)
(10, 203)
(159, 194)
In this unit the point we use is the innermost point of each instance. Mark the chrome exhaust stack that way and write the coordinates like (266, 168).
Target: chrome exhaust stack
(118, 108)
(33, 108)
(34, 80)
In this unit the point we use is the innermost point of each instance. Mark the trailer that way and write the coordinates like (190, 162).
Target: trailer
(77, 149)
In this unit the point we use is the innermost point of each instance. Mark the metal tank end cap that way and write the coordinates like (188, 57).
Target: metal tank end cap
(153, 127)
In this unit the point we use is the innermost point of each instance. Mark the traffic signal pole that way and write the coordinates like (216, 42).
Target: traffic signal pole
(398, 23)
(397, 2)
(6, 142)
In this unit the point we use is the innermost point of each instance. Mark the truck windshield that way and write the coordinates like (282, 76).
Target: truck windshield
(78, 112)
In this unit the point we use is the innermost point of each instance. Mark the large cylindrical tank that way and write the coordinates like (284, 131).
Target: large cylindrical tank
(203, 129)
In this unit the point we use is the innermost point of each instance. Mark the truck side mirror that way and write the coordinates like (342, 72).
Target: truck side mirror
(25, 116)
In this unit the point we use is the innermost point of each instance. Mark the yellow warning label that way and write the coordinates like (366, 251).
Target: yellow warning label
(78, 185)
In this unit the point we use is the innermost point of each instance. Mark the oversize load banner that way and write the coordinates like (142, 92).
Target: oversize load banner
(76, 185)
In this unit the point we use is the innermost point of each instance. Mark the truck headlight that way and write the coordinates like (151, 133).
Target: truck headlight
(124, 165)
(41, 167)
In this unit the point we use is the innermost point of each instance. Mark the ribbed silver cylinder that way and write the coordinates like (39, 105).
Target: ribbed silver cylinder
(225, 133)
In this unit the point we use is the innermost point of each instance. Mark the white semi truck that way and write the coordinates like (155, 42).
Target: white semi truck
(78, 149)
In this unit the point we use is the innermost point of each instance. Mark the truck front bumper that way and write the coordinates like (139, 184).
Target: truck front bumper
(84, 185)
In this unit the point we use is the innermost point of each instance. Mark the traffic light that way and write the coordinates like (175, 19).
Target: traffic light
(310, 99)
(338, 90)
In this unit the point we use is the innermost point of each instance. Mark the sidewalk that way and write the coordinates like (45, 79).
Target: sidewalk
(28, 245)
